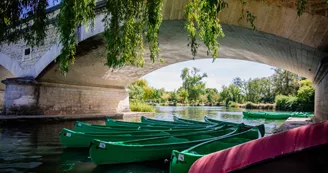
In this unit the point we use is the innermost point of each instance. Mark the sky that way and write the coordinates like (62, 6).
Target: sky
(220, 73)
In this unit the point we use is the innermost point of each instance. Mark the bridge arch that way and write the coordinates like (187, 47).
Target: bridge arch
(11, 65)
(273, 21)
(284, 40)
(239, 43)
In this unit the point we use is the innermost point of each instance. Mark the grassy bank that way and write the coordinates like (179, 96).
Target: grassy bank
(141, 107)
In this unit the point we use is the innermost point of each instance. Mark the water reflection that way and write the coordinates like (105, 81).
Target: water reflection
(145, 167)
(35, 146)
(220, 113)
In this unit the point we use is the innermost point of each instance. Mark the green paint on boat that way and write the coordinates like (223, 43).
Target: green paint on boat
(85, 127)
(102, 152)
(182, 161)
(276, 115)
(185, 124)
(181, 120)
(70, 138)
(150, 123)
(219, 122)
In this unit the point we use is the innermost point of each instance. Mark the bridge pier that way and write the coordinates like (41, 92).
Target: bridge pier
(2, 95)
(26, 96)
(321, 92)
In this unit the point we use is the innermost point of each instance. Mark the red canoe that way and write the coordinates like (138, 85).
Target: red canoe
(266, 150)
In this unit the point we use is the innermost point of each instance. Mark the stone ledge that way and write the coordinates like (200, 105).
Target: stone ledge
(120, 115)
(292, 122)
(20, 80)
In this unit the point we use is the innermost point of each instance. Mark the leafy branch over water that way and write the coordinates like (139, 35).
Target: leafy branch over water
(127, 23)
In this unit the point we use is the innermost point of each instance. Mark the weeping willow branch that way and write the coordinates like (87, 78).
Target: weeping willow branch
(16, 23)
(250, 18)
(79, 12)
(126, 23)
(300, 6)
(202, 23)
(129, 25)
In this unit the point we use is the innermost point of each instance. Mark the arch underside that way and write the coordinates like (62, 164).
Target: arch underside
(238, 43)
(4, 74)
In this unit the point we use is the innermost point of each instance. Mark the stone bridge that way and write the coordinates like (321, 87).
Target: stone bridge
(34, 85)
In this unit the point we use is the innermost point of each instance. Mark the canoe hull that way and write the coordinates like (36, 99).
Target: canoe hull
(275, 115)
(102, 152)
(74, 139)
(183, 160)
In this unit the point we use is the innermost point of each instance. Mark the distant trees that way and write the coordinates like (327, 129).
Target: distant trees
(285, 89)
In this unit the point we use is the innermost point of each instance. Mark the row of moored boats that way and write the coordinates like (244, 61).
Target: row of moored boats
(181, 141)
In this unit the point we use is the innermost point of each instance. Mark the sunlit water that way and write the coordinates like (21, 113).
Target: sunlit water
(35, 147)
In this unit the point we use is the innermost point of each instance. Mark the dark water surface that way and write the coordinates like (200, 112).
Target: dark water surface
(35, 147)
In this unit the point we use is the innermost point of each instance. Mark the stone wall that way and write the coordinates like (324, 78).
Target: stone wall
(2, 95)
(28, 97)
(70, 99)
(321, 100)
(16, 50)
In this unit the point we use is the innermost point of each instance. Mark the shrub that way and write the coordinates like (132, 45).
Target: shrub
(233, 104)
(141, 107)
(287, 103)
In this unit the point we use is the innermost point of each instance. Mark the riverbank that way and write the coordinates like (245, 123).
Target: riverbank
(122, 115)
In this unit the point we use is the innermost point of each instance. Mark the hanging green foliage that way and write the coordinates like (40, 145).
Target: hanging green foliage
(23, 19)
(129, 24)
(300, 6)
(202, 23)
(126, 24)
(250, 18)
(79, 12)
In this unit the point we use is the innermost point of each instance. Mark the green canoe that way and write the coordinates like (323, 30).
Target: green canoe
(181, 120)
(157, 123)
(157, 148)
(182, 161)
(70, 138)
(85, 127)
(90, 128)
(260, 127)
(276, 115)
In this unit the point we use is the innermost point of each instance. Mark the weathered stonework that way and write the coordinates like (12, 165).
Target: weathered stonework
(2, 99)
(29, 97)
(16, 50)
(72, 99)
(21, 96)
(321, 100)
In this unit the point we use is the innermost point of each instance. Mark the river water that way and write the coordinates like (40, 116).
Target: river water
(35, 147)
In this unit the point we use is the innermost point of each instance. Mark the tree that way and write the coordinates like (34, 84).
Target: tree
(174, 96)
(136, 92)
(165, 97)
(305, 95)
(285, 82)
(212, 95)
(139, 90)
(192, 82)
(203, 98)
(183, 95)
